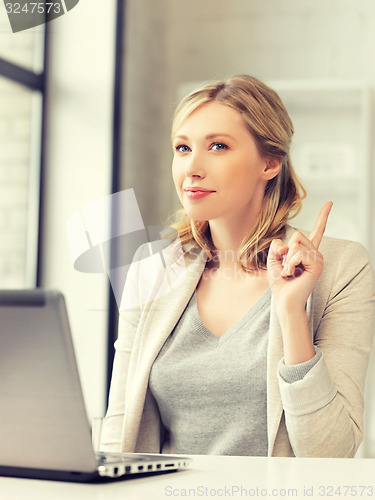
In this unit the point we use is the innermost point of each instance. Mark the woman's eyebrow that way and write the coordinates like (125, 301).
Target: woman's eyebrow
(212, 136)
(208, 136)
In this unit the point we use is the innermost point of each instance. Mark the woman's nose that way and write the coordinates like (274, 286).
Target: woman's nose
(194, 166)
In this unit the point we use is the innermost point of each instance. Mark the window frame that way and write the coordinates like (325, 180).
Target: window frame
(34, 82)
(117, 132)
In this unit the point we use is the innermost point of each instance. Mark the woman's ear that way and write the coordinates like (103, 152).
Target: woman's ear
(272, 168)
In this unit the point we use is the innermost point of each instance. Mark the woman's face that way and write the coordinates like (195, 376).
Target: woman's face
(217, 169)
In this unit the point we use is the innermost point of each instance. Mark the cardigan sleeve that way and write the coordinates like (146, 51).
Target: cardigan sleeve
(292, 373)
(129, 314)
(324, 410)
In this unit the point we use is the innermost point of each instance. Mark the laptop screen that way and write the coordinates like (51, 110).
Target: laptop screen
(43, 422)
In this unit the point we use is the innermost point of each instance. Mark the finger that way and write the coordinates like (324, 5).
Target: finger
(292, 263)
(316, 234)
(277, 251)
(299, 242)
(304, 260)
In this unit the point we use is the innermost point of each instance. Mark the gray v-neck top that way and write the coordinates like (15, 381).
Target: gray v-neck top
(211, 391)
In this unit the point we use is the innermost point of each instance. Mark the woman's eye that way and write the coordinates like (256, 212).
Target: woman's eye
(218, 146)
(182, 148)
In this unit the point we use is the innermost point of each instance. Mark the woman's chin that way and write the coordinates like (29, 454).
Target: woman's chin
(198, 213)
(197, 216)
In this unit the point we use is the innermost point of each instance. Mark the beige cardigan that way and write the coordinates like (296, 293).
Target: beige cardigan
(319, 416)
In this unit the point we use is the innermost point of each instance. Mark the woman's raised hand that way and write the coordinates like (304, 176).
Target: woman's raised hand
(294, 269)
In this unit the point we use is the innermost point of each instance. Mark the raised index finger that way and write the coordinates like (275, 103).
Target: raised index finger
(316, 234)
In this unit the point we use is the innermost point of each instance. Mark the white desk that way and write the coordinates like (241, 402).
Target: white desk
(219, 477)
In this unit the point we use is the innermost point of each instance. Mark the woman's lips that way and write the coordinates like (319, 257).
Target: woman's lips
(197, 193)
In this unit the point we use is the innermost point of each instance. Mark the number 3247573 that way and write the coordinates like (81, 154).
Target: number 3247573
(346, 491)
(33, 8)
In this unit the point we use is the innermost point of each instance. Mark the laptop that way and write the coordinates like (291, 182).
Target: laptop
(44, 429)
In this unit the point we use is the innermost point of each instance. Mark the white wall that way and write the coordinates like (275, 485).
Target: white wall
(78, 170)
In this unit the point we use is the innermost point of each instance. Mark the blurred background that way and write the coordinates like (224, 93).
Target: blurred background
(85, 111)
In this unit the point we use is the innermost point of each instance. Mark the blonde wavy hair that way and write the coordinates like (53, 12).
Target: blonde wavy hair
(269, 123)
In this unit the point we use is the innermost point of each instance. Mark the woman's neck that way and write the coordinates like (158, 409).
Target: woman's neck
(227, 240)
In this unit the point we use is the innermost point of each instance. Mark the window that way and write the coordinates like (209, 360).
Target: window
(22, 79)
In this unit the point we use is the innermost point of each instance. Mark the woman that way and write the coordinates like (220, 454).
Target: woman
(240, 342)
